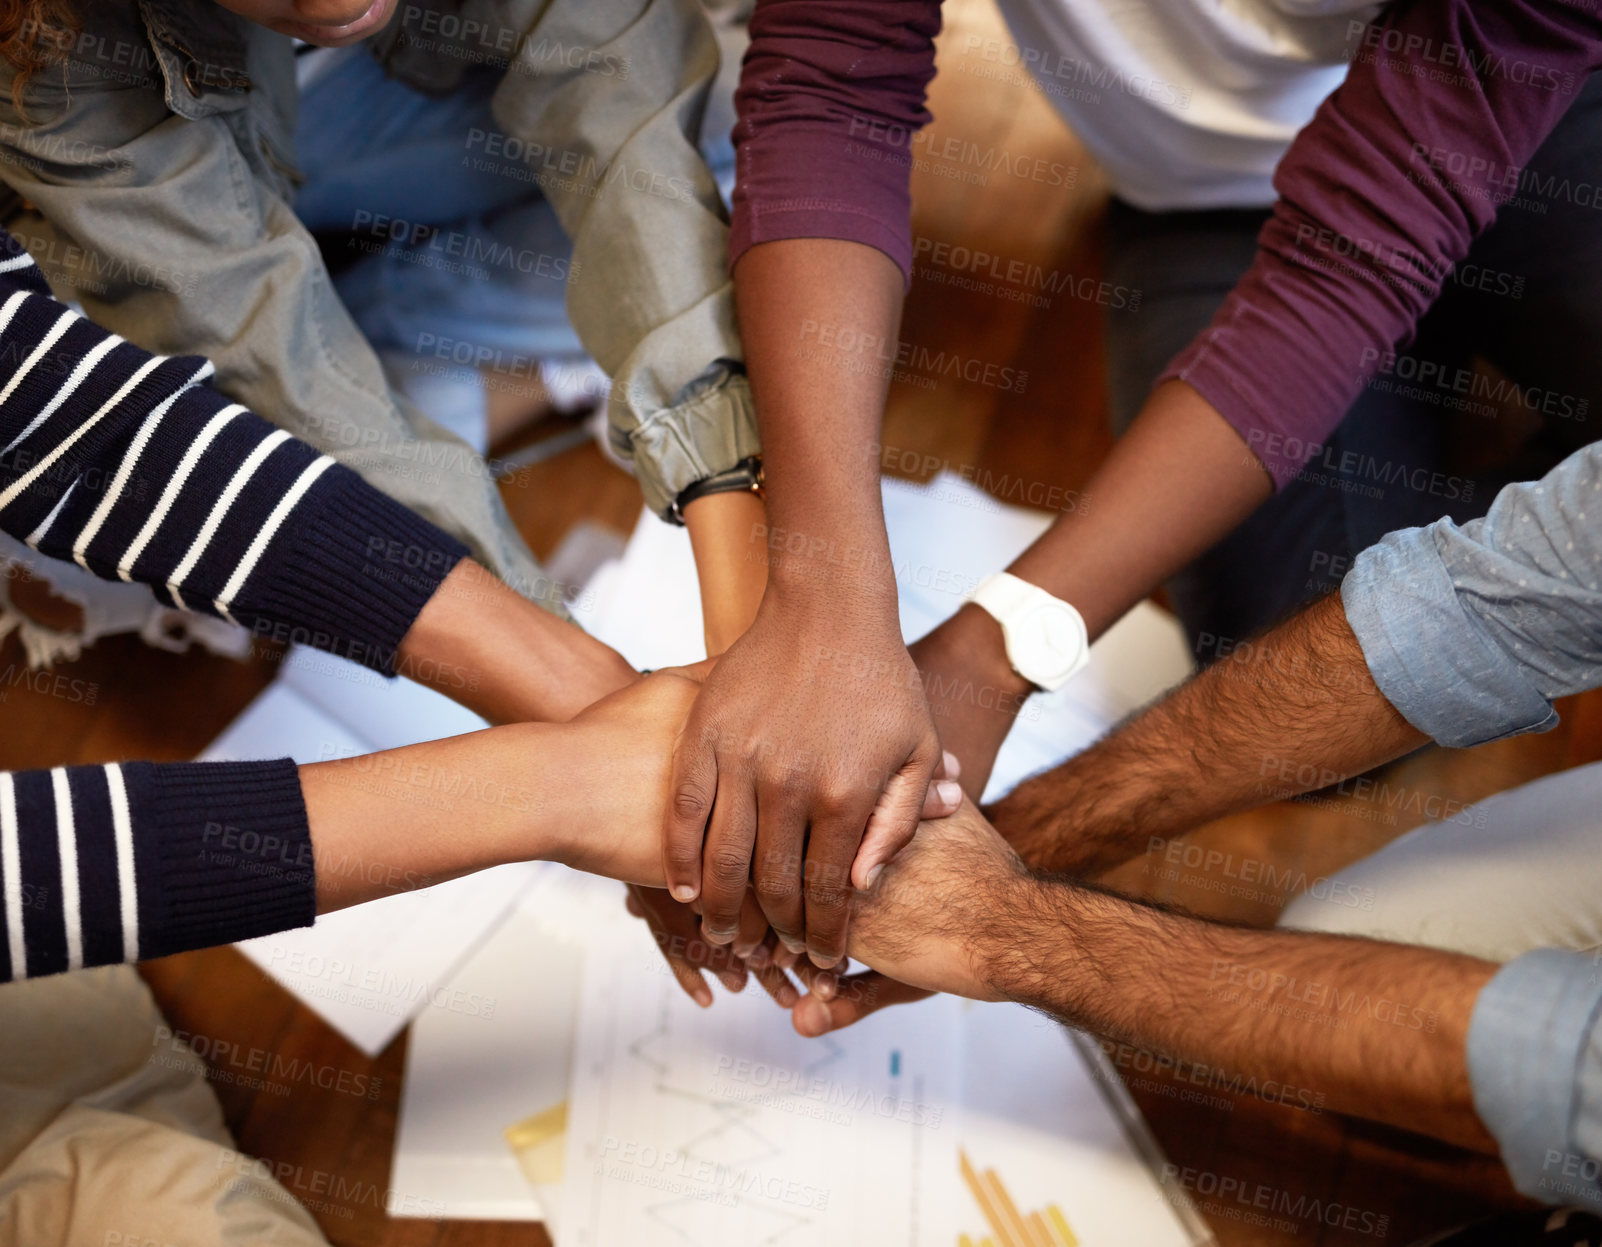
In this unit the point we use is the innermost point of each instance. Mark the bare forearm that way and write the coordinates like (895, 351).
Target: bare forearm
(820, 318)
(727, 535)
(1376, 1030)
(1179, 480)
(588, 794)
(410, 818)
(498, 654)
(1297, 711)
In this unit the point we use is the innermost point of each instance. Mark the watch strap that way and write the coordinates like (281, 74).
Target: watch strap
(1004, 597)
(743, 477)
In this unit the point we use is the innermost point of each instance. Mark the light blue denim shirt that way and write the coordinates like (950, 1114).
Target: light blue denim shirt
(1471, 631)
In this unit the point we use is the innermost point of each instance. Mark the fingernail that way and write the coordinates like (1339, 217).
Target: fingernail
(683, 892)
(823, 987)
(704, 998)
(873, 877)
(718, 937)
(953, 767)
(822, 962)
(795, 946)
(950, 793)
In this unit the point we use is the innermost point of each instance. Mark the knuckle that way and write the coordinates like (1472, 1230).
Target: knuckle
(728, 868)
(825, 897)
(684, 856)
(779, 862)
(775, 890)
(833, 803)
(691, 801)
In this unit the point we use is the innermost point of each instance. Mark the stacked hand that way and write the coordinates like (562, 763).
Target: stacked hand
(802, 770)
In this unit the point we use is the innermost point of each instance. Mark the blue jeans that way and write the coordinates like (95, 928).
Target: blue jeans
(448, 260)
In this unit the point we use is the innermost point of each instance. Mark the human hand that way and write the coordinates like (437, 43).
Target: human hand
(802, 769)
(676, 927)
(619, 752)
(931, 924)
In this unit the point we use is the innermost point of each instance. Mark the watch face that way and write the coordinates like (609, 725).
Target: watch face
(1050, 641)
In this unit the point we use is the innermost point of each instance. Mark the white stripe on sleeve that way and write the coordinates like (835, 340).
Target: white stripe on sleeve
(220, 508)
(10, 308)
(63, 323)
(124, 469)
(38, 534)
(11, 863)
(127, 880)
(86, 365)
(67, 847)
(258, 547)
(15, 489)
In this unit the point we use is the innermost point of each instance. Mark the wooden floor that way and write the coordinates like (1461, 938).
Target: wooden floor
(152, 705)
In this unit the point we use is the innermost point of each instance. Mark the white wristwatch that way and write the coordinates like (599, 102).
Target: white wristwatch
(1046, 639)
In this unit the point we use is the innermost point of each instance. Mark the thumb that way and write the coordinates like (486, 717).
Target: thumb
(895, 817)
(695, 781)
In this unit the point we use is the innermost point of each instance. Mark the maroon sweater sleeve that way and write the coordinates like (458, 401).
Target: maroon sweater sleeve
(1382, 193)
(831, 93)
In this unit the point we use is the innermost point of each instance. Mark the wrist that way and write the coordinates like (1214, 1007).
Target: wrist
(974, 638)
(1028, 953)
(838, 549)
(495, 652)
(1010, 947)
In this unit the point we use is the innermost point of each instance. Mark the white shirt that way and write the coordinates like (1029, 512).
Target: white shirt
(1185, 103)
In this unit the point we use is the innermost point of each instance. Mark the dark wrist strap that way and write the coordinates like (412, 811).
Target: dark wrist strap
(743, 477)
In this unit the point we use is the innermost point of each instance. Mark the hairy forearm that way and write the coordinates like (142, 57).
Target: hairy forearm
(1376, 1030)
(820, 318)
(498, 654)
(1295, 711)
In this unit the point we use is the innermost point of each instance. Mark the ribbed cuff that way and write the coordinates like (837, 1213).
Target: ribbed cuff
(222, 851)
(357, 572)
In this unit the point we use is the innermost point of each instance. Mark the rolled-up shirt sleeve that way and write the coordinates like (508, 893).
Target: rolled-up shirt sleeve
(831, 94)
(1535, 1067)
(1471, 631)
(1382, 193)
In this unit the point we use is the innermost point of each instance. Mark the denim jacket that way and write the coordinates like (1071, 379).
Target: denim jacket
(158, 164)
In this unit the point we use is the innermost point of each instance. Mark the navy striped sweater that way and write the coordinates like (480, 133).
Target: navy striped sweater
(134, 468)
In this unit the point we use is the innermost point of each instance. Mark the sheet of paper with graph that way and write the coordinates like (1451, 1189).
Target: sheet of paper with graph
(725, 1126)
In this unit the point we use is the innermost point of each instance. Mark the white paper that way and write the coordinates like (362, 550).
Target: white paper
(1036, 1124)
(470, 1077)
(385, 713)
(724, 1126)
